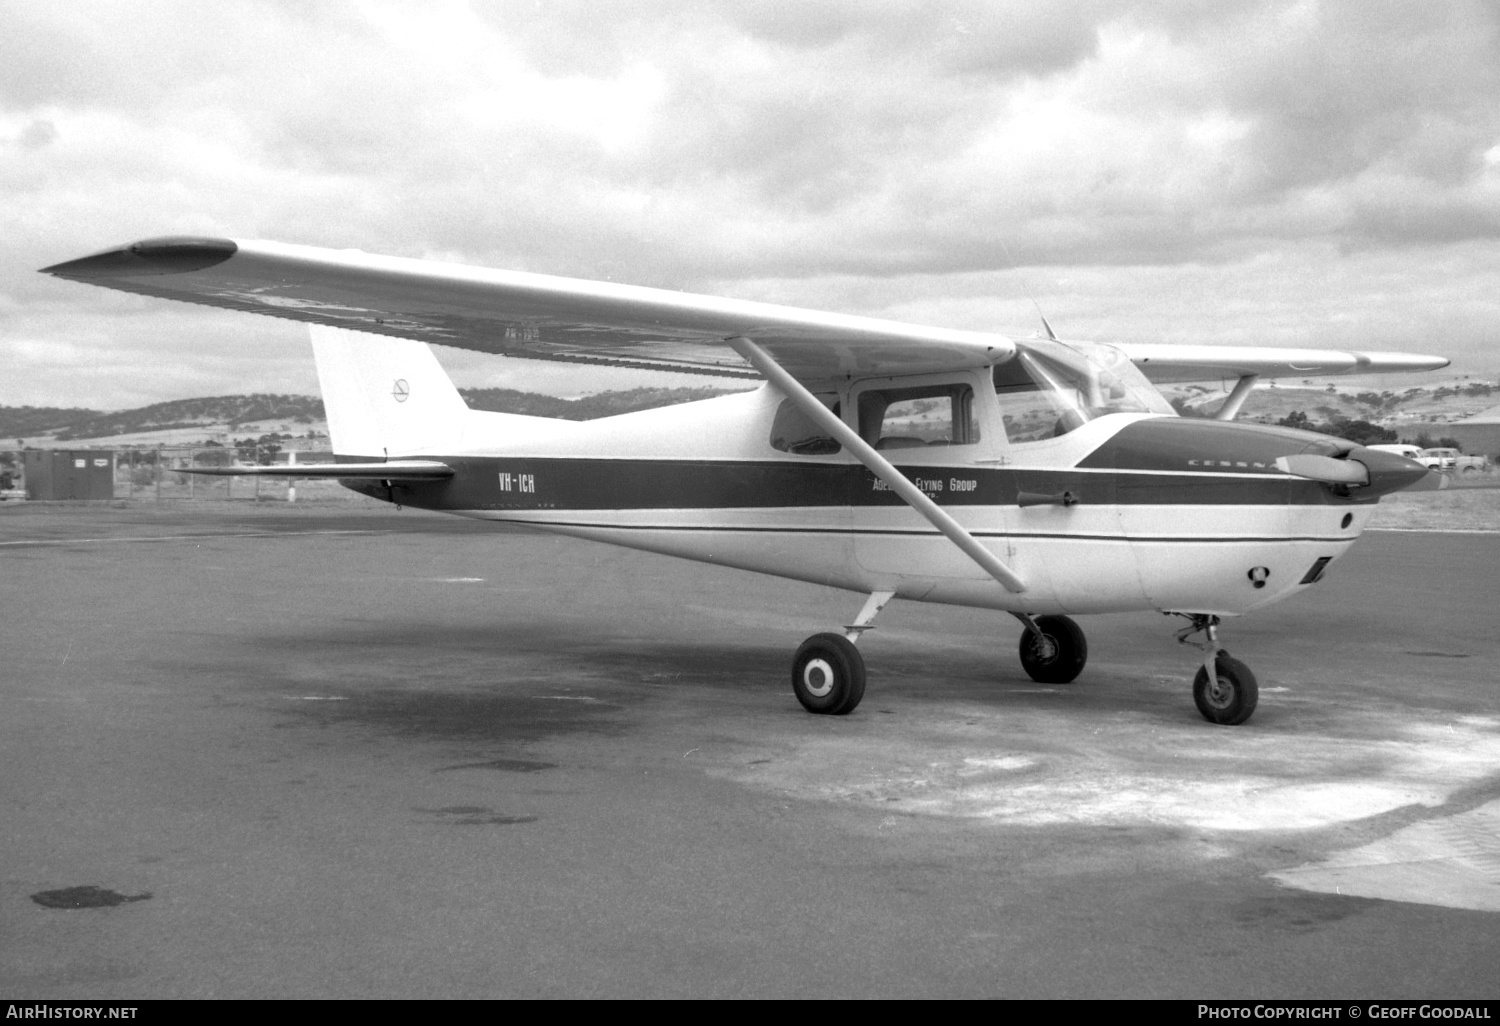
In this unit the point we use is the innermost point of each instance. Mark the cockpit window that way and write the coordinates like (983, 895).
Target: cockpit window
(906, 418)
(793, 432)
(1050, 388)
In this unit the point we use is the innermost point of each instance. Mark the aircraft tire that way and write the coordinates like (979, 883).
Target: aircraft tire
(1234, 698)
(828, 675)
(1062, 658)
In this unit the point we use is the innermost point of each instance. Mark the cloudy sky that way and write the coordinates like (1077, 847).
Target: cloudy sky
(1224, 171)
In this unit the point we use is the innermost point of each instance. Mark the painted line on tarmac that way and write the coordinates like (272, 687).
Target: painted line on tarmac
(1452, 861)
(1435, 530)
(181, 537)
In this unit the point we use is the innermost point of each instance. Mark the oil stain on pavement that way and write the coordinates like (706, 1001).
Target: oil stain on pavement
(503, 765)
(475, 815)
(87, 896)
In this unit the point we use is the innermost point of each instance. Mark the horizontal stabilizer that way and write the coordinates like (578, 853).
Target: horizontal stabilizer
(394, 470)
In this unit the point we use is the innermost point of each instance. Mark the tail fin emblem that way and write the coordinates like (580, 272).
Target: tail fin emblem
(400, 390)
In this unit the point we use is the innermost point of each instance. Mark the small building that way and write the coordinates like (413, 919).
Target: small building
(69, 474)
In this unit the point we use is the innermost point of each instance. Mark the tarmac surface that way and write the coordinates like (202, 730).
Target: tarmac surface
(348, 753)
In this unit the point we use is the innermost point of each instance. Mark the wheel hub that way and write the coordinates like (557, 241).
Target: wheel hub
(818, 677)
(1044, 648)
(1220, 693)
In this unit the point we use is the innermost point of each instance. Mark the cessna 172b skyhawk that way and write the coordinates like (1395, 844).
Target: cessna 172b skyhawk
(1038, 477)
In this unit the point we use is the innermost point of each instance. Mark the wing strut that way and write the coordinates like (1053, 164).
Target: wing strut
(876, 463)
(1236, 398)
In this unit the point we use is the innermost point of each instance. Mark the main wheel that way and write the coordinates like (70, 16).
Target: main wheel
(1057, 655)
(828, 675)
(1232, 697)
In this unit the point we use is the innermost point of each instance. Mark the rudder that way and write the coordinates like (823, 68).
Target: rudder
(385, 396)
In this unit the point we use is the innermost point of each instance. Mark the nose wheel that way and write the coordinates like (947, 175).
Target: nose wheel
(1224, 689)
(1230, 696)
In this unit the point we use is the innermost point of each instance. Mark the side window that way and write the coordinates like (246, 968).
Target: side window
(905, 418)
(792, 432)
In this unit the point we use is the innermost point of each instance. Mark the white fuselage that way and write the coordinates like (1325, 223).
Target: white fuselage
(1173, 531)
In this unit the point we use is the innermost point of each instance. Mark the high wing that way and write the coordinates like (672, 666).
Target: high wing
(514, 313)
(538, 316)
(1165, 363)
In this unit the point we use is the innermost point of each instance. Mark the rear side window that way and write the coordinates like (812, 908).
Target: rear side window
(908, 418)
(792, 432)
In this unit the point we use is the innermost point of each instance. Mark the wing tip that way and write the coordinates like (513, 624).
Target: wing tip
(1373, 362)
(168, 254)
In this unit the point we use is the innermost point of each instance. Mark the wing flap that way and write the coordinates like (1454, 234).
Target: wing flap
(515, 313)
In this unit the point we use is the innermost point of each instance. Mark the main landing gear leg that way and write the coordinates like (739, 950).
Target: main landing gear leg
(1053, 648)
(828, 674)
(1224, 689)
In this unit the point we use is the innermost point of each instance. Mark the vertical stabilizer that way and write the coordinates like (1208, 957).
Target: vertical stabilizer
(386, 396)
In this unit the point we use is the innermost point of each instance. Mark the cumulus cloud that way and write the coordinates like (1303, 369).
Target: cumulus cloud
(1230, 160)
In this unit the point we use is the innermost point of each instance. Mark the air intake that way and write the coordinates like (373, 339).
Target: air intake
(1315, 572)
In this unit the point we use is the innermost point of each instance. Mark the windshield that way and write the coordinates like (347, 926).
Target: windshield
(1049, 388)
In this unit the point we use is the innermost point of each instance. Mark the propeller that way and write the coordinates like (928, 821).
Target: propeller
(1324, 468)
(1372, 471)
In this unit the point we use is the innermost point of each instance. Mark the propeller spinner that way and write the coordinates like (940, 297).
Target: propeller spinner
(1372, 471)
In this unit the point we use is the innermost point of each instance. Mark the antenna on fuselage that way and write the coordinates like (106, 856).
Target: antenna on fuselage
(1015, 269)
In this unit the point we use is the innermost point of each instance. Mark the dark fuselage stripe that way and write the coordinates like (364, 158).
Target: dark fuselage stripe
(521, 484)
(595, 525)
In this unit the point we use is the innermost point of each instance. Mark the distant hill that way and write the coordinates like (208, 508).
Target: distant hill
(232, 410)
(22, 421)
(186, 421)
(40, 425)
(1347, 401)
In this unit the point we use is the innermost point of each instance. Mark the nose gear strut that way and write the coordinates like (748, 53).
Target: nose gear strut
(1224, 689)
(1209, 627)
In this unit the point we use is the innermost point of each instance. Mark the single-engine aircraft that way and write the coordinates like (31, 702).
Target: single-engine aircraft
(1038, 477)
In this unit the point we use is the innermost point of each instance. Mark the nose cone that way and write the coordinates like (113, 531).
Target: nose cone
(1390, 472)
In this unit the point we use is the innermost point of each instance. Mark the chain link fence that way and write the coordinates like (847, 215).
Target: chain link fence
(156, 474)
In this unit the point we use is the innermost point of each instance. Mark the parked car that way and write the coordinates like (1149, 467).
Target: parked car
(1446, 458)
(1452, 461)
(1411, 452)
